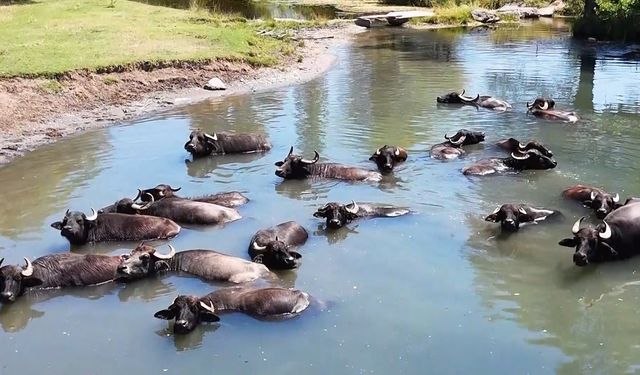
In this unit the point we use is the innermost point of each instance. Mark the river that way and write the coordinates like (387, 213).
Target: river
(438, 291)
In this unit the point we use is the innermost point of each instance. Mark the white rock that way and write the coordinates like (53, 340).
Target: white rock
(215, 84)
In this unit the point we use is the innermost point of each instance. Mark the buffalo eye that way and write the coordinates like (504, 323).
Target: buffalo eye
(145, 257)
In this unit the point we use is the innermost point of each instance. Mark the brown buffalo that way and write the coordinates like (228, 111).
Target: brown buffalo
(452, 148)
(229, 199)
(597, 199)
(488, 102)
(273, 246)
(533, 159)
(386, 157)
(296, 167)
(513, 145)
(203, 144)
(543, 108)
(511, 216)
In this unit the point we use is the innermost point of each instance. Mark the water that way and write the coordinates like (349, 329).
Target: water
(440, 289)
(256, 9)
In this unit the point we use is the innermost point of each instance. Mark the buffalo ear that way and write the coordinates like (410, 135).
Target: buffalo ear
(279, 163)
(165, 314)
(319, 214)
(30, 282)
(568, 242)
(588, 203)
(493, 218)
(295, 254)
(208, 316)
(57, 225)
(372, 158)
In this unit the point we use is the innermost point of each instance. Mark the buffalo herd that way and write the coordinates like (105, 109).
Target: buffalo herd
(157, 213)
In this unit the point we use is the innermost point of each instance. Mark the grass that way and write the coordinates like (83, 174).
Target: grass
(447, 15)
(52, 87)
(50, 37)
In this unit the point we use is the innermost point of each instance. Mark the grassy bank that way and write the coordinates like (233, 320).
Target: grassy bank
(49, 37)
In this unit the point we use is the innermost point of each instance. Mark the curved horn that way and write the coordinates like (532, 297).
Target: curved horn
(593, 195)
(315, 159)
(94, 215)
(459, 141)
(136, 206)
(174, 190)
(257, 247)
(545, 106)
(616, 198)
(521, 146)
(513, 155)
(607, 231)
(29, 270)
(397, 152)
(496, 210)
(462, 93)
(138, 196)
(290, 151)
(172, 252)
(576, 227)
(378, 152)
(66, 212)
(469, 99)
(213, 137)
(1, 260)
(209, 307)
(529, 106)
(522, 210)
(354, 208)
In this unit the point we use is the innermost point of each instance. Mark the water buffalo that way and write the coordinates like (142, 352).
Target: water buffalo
(616, 238)
(272, 246)
(55, 271)
(180, 210)
(270, 303)
(80, 229)
(338, 215)
(513, 145)
(203, 144)
(386, 157)
(144, 261)
(227, 199)
(452, 148)
(533, 159)
(296, 167)
(511, 216)
(488, 102)
(597, 199)
(543, 108)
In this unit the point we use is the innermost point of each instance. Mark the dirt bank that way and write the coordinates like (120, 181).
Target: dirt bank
(34, 112)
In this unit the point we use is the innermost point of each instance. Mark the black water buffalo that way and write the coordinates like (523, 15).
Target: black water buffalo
(272, 246)
(227, 199)
(452, 148)
(616, 238)
(80, 229)
(180, 210)
(338, 215)
(513, 145)
(203, 144)
(386, 157)
(511, 216)
(597, 199)
(144, 261)
(270, 303)
(533, 159)
(296, 167)
(55, 271)
(488, 102)
(543, 108)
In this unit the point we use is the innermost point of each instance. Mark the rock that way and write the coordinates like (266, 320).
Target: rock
(559, 5)
(546, 11)
(484, 16)
(522, 12)
(215, 84)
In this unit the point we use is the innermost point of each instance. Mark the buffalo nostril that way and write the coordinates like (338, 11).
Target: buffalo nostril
(7, 295)
(181, 322)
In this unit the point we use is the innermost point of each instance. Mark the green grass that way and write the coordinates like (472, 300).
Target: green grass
(50, 37)
(52, 87)
(448, 15)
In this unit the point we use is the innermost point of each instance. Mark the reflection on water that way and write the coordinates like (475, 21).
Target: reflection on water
(407, 292)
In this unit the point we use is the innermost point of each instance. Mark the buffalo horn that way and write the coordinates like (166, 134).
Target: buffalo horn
(607, 231)
(354, 208)
(513, 155)
(378, 152)
(545, 106)
(172, 252)
(316, 157)
(459, 141)
(593, 195)
(174, 190)
(257, 247)
(136, 206)
(1, 260)
(469, 99)
(616, 198)
(209, 307)
(94, 215)
(290, 151)
(161, 193)
(496, 210)
(521, 147)
(529, 106)
(213, 137)
(29, 270)
(397, 152)
(138, 196)
(576, 227)
(67, 212)
(522, 210)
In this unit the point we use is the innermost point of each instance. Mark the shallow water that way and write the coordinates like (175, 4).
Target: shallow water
(440, 289)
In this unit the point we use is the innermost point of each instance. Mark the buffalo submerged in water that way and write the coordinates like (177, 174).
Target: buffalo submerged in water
(296, 167)
(273, 246)
(452, 147)
(387, 157)
(80, 229)
(513, 145)
(512, 216)
(600, 201)
(484, 101)
(543, 108)
(533, 159)
(204, 144)
(229, 199)
(338, 215)
(267, 303)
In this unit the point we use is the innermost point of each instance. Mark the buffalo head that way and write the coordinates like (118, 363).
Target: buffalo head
(127, 206)
(386, 157)
(338, 215)
(455, 98)
(465, 137)
(276, 255)
(541, 104)
(75, 226)
(590, 243)
(14, 280)
(201, 143)
(159, 192)
(294, 166)
(532, 159)
(602, 202)
(188, 312)
(509, 216)
(144, 260)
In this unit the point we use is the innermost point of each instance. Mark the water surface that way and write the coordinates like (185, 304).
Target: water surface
(440, 289)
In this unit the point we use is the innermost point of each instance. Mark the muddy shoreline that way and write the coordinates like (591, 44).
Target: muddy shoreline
(35, 114)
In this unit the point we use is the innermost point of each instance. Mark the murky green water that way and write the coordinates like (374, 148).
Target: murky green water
(439, 291)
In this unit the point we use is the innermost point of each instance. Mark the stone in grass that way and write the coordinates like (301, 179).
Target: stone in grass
(215, 84)
(484, 16)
